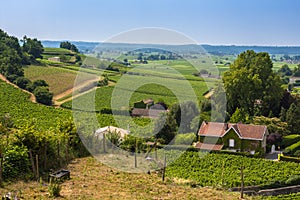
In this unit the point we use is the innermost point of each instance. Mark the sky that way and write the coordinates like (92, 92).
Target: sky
(216, 22)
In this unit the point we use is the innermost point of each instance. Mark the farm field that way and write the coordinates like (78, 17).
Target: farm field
(158, 89)
(23, 111)
(17, 104)
(223, 170)
(59, 79)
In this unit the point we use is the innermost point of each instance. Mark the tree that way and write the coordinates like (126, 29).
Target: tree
(38, 83)
(251, 78)
(12, 57)
(218, 104)
(189, 111)
(165, 128)
(22, 82)
(69, 46)
(33, 47)
(297, 71)
(275, 125)
(293, 118)
(239, 116)
(43, 95)
(285, 70)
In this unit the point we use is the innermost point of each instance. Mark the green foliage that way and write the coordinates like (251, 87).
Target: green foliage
(251, 78)
(297, 71)
(12, 57)
(43, 95)
(185, 139)
(17, 103)
(54, 188)
(214, 169)
(104, 81)
(69, 46)
(132, 144)
(239, 116)
(33, 47)
(275, 125)
(290, 139)
(285, 70)
(188, 111)
(22, 82)
(165, 127)
(16, 162)
(293, 118)
(291, 150)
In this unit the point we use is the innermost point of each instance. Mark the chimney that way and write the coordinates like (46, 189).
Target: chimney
(226, 126)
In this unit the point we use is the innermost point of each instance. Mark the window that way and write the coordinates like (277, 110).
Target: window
(231, 142)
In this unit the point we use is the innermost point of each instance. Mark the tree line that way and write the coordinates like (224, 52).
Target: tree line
(14, 57)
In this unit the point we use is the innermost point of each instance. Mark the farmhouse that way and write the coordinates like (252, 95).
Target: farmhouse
(234, 137)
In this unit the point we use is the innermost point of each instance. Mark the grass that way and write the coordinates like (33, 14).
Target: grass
(93, 180)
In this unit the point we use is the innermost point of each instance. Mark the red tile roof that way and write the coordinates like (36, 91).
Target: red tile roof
(244, 131)
(213, 147)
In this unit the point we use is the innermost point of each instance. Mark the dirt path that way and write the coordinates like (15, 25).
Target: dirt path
(70, 91)
(90, 84)
(32, 97)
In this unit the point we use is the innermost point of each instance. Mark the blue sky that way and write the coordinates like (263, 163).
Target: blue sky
(238, 22)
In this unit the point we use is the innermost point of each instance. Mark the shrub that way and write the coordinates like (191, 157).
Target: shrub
(186, 139)
(43, 95)
(293, 180)
(16, 162)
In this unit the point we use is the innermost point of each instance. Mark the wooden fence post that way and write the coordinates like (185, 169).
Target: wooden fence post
(104, 144)
(37, 166)
(1, 168)
(32, 163)
(242, 182)
(135, 152)
(164, 169)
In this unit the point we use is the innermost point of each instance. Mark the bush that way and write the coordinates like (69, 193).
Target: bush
(16, 162)
(293, 180)
(186, 139)
(43, 95)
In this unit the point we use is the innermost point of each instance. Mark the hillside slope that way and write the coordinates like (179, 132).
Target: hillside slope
(93, 180)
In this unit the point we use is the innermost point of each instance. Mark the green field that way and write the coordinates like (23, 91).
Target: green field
(159, 89)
